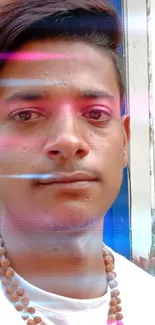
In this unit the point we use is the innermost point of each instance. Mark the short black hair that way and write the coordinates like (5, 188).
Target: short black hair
(93, 21)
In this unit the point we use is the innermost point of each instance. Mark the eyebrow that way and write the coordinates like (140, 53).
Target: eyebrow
(95, 94)
(26, 96)
(42, 95)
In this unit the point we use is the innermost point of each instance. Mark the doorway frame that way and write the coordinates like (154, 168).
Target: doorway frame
(137, 106)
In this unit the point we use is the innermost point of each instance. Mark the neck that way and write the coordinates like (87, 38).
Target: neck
(70, 265)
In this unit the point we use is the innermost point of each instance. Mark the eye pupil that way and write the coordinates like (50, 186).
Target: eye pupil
(25, 115)
(95, 114)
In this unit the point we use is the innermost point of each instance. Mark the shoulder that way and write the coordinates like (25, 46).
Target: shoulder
(127, 269)
(133, 280)
(137, 290)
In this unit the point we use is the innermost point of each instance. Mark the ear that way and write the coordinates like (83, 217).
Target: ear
(126, 135)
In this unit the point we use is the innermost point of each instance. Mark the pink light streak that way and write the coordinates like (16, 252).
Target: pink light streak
(115, 322)
(37, 56)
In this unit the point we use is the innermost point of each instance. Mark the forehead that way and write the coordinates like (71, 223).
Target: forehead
(45, 63)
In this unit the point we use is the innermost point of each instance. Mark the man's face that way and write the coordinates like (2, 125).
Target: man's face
(65, 120)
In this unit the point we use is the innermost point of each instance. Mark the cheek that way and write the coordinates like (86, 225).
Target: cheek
(17, 151)
(9, 143)
(110, 149)
(110, 160)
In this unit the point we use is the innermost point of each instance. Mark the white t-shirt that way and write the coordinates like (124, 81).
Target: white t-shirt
(137, 292)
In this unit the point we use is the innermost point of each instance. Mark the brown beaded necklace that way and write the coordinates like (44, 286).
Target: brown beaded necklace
(22, 303)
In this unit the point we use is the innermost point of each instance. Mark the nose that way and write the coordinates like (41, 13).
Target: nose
(66, 142)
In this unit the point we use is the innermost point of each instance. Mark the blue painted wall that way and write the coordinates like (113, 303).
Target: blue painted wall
(117, 220)
(118, 6)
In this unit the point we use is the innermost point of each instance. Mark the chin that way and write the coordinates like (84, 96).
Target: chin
(71, 227)
(65, 221)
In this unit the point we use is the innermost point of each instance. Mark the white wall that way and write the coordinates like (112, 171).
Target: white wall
(135, 23)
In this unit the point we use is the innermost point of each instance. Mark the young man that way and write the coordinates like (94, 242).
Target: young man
(63, 147)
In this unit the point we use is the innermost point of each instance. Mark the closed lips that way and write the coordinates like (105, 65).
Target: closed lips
(67, 178)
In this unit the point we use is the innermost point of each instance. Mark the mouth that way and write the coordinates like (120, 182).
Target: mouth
(64, 179)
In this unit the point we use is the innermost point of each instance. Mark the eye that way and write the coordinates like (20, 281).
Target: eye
(26, 115)
(97, 114)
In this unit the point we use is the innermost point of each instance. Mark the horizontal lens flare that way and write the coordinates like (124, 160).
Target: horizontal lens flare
(30, 176)
(29, 82)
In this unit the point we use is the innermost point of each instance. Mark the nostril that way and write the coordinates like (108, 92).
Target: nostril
(54, 152)
(79, 152)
